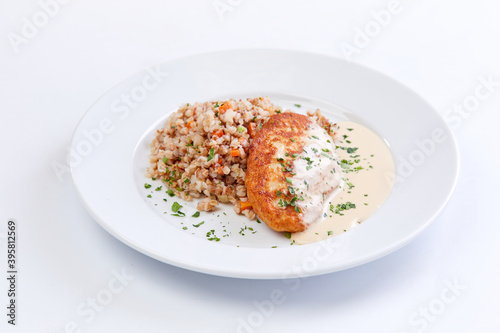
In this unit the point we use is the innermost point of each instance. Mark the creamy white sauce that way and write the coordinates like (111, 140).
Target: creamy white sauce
(363, 185)
(319, 159)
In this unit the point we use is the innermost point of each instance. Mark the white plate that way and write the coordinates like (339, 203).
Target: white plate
(110, 151)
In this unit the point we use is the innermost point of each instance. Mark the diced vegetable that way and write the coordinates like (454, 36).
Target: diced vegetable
(218, 133)
(224, 107)
(245, 205)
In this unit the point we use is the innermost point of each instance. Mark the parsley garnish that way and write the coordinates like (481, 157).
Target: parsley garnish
(351, 150)
(211, 154)
(341, 207)
(176, 206)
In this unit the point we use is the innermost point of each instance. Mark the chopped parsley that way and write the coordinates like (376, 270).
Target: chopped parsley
(211, 236)
(197, 214)
(147, 185)
(351, 150)
(176, 206)
(342, 207)
(211, 154)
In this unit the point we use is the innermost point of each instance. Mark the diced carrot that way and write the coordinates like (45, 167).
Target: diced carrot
(245, 205)
(224, 107)
(250, 129)
(218, 133)
(235, 152)
(189, 124)
(220, 170)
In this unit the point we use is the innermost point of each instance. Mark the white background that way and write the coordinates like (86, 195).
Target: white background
(440, 49)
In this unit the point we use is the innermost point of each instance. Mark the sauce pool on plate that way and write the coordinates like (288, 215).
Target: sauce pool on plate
(365, 160)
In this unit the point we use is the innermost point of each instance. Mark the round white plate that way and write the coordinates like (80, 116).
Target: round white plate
(110, 149)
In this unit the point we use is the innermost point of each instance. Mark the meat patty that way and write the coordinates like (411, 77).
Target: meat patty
(271, 190)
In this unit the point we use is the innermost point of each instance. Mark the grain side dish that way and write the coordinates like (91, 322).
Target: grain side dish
(203, 149)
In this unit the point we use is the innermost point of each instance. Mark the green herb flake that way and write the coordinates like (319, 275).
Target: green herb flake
(170, 192)
(197, 214)
(197, 225)
(288, 180)
(351, 150)
(298, 105)
(158, 188)
(288, 235)
(147, 185)
(179, 214)
(176, 206)
(211, 154)
(149, 196)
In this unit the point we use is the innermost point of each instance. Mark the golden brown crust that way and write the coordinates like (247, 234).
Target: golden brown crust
(266, 175)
